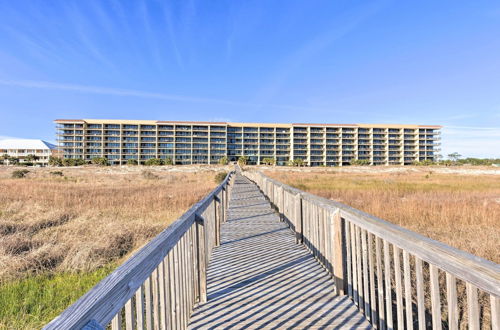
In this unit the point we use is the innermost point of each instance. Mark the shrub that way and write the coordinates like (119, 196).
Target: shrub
(296, 162)
(101, 161)
(426, 162)
(154, 162)
(19, 174)
(149, 175)
(73, 162)
(132, 162)
(224, 161)
(168, 161)
(57, 173)
(268, 161)
(55, 161)
(361, 162)
(242, 161)
(219, 177)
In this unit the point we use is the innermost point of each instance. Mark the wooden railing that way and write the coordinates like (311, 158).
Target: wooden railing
(396, 277)
(159, 285)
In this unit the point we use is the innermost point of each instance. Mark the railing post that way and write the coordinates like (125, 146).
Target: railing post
(216, 221)
(202, 259)
(282, 204)
(299, 237)
(339, 252)
(222, 205)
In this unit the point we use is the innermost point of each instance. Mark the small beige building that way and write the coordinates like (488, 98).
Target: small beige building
(21, 148)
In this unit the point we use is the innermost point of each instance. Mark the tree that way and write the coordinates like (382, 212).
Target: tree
(223, 161)
(154, 162)
(30, 159)
(101, 161)
(243, 160)
(455, 156)
(296, 162)
(361, 162)
(55, 161)
(13, 160)
(269, 161)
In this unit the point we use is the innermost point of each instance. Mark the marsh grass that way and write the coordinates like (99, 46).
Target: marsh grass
(61, 234)
(460, 210)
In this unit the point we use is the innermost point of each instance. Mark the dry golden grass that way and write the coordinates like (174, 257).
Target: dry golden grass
(461, 210)
(90, 216)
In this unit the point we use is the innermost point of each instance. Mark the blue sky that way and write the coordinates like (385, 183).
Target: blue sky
(417, 62)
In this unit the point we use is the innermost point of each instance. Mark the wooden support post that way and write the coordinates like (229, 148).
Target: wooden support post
(299, 237)
(282, 204)
(202, 263)
(216, 221)
(339, 252)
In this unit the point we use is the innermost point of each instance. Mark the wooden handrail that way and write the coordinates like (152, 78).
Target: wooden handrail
(361, 237)
(105, 300)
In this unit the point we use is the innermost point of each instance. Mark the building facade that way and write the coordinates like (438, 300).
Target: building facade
(20, 149)
(208, 142)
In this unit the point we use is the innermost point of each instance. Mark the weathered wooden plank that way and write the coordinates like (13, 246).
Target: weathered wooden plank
(139, 307)
(380, 284)
(259, 278)
(129, 316)
(472, 307)
(388, 286)
(162, 296)
(371, 269)
(366, 286)
(116, 323)
(420, 293)
(148, 296)
(482, 273)
(495, 312)
(339, 260)
(354, 253)
(451, 299)
(408, 290)
(104, 301)
(435, 299)
(399, 287)
(156, 300)
(348, 258)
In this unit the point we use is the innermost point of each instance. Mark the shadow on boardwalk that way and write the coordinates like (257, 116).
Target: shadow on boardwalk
(259, 278)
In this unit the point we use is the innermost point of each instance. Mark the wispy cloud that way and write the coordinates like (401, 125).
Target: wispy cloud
(471, 141)
(150, 95)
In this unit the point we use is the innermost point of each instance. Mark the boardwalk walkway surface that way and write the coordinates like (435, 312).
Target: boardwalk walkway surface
(259, 278)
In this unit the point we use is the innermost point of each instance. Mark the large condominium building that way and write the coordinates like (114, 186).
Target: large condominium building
(207, 142)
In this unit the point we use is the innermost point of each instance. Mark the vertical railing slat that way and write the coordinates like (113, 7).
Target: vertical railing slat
(348, 258)
(472, 306)
(371, 269)
(420, 293)
(451, 298)
(388, 285)
(380, 284)
(116, 323)
(366, 288)
(408, 290)
(129, 315)
(148, 292)
(435, 299)
(139, 307)
(399, 287)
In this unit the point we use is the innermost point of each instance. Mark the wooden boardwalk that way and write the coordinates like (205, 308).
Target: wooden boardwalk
(259, 278)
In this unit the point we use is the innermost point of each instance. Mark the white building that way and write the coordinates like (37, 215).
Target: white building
(21, 148)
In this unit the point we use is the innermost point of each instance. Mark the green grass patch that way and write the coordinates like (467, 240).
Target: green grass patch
(32, 302)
